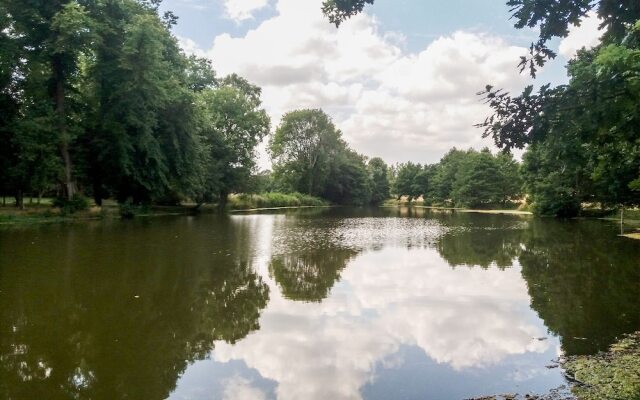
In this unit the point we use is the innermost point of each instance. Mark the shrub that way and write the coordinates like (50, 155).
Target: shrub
(77, 203)
(272, 200)
(129, 210)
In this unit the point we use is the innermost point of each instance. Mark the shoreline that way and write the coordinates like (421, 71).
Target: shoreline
(10, 216)
(35, 216)
(252, 210)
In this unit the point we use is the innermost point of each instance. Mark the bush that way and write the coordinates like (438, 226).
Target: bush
(77, 203)
(129, 210)
(272, 200)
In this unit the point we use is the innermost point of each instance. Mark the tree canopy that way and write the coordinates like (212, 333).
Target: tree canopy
(462, 178)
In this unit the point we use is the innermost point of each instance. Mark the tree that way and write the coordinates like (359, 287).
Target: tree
(594, 119)
(234, 123)
(555, 178)
(509, 180)
(476, 182)
(378, 176)
(52, 35)
(348, 179)
(135, 121)
(302, 149)
(445, 176)
(404, 184)
(340, 10)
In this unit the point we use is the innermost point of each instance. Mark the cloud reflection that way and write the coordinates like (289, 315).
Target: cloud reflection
(465, 318)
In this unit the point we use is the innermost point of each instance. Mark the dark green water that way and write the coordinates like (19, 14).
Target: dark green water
(333, 304)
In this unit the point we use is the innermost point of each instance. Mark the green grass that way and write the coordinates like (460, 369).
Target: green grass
(30, 202)
(273, 200)
(614, 375)
(43, 214)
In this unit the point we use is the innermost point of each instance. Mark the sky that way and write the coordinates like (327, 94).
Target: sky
(399, 80)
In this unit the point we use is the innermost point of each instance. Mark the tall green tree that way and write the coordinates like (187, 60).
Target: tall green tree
(404, 183)
(234, 124)
(378, 176)
(348, 179)
(445, 176)
(476, 182)
(144, 137)
(509, 181)
(54, 34)
(302, 149)
(594, 119)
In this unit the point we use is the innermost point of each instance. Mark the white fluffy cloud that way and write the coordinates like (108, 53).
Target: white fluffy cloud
(241, 10)
(387, 101)
(587, 35)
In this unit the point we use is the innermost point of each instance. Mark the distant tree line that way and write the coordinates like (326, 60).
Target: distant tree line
(462, 178)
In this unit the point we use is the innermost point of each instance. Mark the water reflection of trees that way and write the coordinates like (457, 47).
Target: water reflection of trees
(481, 240)
(583, 281)
(89, 323)
(310, 275)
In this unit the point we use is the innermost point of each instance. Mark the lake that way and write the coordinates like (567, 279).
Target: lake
(338, 303)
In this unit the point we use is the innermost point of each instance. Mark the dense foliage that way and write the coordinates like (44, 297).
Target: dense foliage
(309, 156)
(583, 138)
(462, 178)
(97, 98)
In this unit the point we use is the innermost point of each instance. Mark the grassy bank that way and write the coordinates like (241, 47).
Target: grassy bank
(614, 375)
(509, 209)
(273, 200)
(45, 212)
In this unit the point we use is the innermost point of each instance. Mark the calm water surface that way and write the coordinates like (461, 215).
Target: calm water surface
(332, 304)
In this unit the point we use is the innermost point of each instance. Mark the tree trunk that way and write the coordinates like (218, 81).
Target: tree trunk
(69, 184)
(222, 203)
(20, 199)
(97, 193)
(622, 220)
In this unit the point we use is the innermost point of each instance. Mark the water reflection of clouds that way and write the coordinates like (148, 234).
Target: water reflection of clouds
(465, 318)
(238, 388)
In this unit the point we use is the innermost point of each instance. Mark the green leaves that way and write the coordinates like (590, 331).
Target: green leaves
(463, 179)
(339, 11)
(232, 125)
(309, 156)
(379, 178)
(302, 148)
(72, 29)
